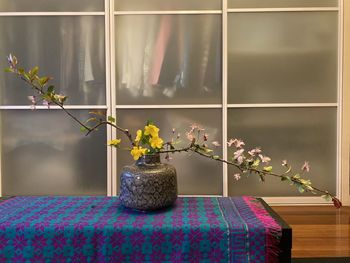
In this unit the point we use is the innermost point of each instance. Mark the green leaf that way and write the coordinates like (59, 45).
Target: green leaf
(21, 71)
(8, 70)
(267, 168)
(327, 197)
(43, 80)
(216, 157)
(83, 129)
(63, 99)
(111, 119)
(285, 178)
(296, 176)
(256, 163)
(25, 74)
(34, 71)
(90, 119)
(300, 189)
(305, 182)
(309, 188)
(50, 89)
(207, 150)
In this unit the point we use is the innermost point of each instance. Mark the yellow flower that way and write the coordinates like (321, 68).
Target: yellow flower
(138, 135)
(137, 152)
(156, 142)
(151, 130)
(114, 143)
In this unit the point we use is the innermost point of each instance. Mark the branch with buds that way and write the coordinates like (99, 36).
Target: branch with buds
(147, 141)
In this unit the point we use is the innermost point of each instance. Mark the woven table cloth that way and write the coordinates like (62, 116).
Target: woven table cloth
(99, 229)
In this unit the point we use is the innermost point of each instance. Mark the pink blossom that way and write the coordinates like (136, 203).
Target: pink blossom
(237, 154)
(284, 163)
(230, 142)
(32, 99)
(264, 159)
(46, 103)
(254, 151)
(238, 143)
(193, 127)
(12, 61)
(216, 143)
(240, 159)
(305, 167)
(190, 136)
(237, 176)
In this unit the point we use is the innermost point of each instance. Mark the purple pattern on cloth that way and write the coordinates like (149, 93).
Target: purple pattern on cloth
(99, 229)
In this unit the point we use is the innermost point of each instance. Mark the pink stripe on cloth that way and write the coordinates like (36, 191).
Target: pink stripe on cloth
(273, 229)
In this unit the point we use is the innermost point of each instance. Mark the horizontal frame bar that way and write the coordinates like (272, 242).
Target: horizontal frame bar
(285, 200)
(69, 107)
(283, 105)
(165, 12)
(52, 14)
(284, 9)
(181, 106)
(296, 200)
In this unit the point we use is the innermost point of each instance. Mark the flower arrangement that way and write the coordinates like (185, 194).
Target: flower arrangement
(147, 140)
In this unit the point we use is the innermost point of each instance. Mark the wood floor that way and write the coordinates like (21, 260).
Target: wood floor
(321, 231)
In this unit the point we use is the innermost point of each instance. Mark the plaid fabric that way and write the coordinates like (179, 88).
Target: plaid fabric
(98, 229)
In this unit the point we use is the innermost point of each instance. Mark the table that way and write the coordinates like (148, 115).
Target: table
(99, 229)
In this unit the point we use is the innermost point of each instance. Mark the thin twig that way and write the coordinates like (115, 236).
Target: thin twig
(89, 129)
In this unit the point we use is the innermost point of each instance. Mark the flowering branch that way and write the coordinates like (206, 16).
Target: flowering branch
(147, 141)
(302, 185)
(49, 96)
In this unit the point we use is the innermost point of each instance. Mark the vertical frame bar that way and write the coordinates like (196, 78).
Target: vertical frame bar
(224, 97)
(345, 194)
(108, 95)
(340, 100)
(113, 162)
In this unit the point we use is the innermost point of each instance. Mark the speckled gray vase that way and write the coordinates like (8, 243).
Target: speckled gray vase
(148, 184)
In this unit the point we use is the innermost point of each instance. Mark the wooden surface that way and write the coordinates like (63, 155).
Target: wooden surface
(321, 231)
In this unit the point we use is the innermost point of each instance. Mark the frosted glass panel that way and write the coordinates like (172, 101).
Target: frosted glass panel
(70, 49)
(281, 3)
(168, 59)
(282, 57)
(195, 174)
(295, 134)
(43, 153)
(137, 5)
(51, 5)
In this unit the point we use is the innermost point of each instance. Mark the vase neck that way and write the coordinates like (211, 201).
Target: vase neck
(149, 159)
